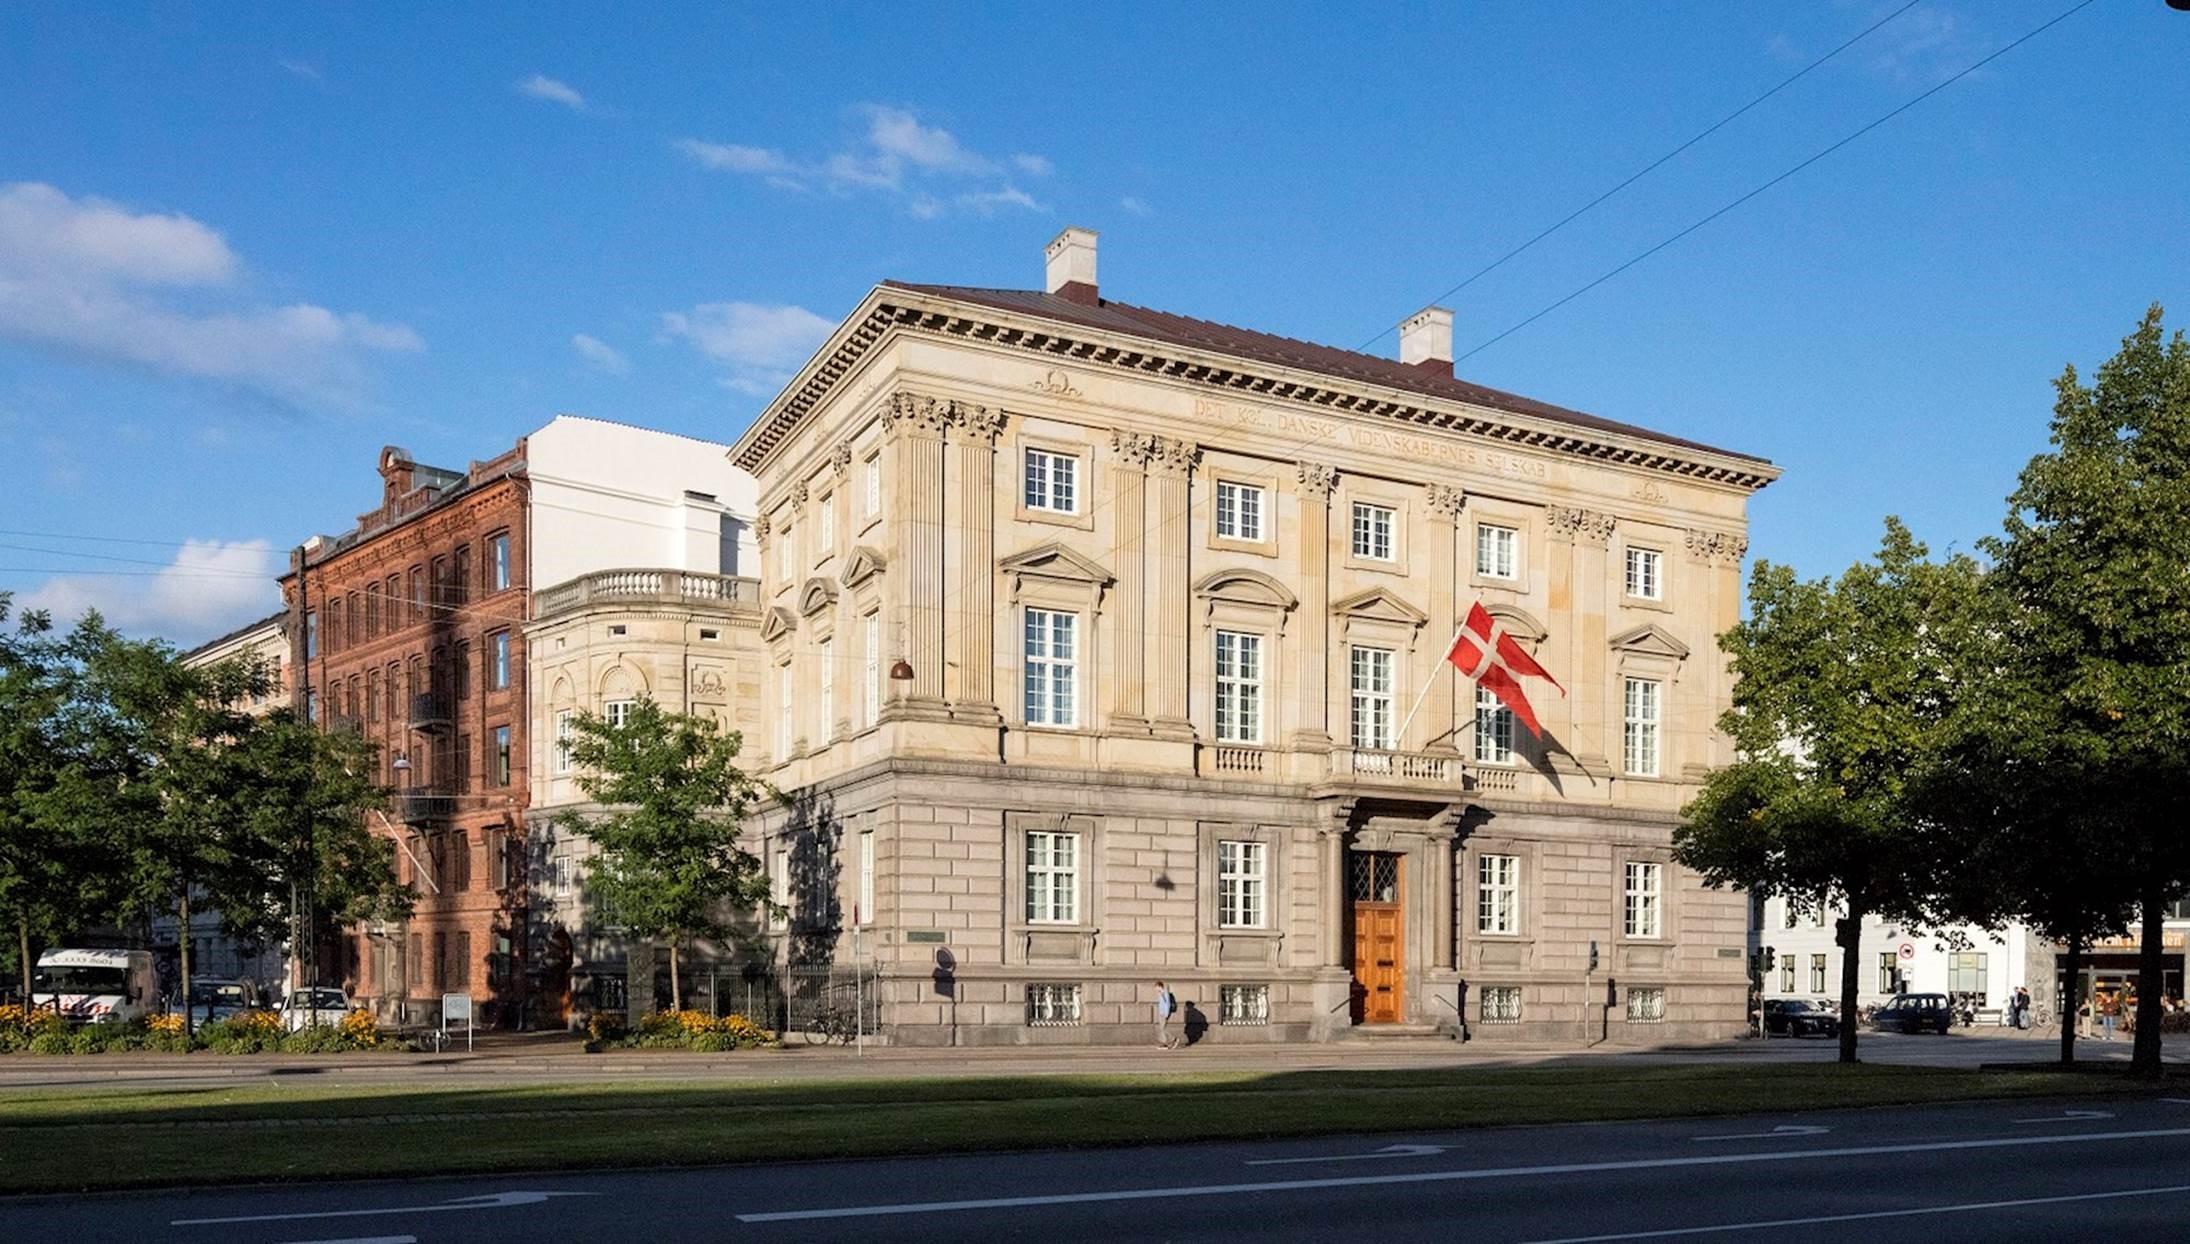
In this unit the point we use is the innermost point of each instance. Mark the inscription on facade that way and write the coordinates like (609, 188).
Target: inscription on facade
(1303, 429)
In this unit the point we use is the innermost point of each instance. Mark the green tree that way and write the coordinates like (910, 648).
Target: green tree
(673, 802)
(41, 872)
(2096, 557)
(1842, 689)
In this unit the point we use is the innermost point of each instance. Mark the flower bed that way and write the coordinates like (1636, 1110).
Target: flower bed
(678, 1030)
(252, 1032)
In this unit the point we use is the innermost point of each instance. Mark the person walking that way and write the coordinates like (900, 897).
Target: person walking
(2019, 1009)
(1166, 1006)
(2110, 1009)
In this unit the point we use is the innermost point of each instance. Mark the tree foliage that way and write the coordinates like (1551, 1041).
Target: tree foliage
(670, 867)
(2092, 580)
(1844, 689)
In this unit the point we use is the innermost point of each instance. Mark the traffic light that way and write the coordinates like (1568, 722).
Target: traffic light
(1771, 960)
(1592, 956)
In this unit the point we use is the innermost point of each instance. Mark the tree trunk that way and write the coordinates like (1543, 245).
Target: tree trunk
(676, 987)
(2071, 987)
(182, 947)
(22, 947)
(1849, 935)
(2144, 1056)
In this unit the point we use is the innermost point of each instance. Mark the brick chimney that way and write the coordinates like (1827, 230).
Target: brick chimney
(396, 473)
(1071, 268)
(1425, 340)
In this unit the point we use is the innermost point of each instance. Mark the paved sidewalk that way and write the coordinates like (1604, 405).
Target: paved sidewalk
(546, 1058)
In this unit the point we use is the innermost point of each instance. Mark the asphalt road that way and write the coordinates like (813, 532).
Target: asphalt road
(2114, 1169)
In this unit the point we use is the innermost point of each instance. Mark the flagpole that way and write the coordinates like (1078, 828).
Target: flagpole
(1443, 659)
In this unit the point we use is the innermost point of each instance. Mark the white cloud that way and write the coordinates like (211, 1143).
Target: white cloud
(897, 154)
(211, 586)
(82, 276)
(761, 344)
(1924, 46)
(600, 354)
(303, 69)
(1136, 205)
(540, 86)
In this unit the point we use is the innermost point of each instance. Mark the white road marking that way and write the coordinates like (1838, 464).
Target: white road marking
(1424, 1177)
(364, 1239)
(493, 1200)
(1784, 1130)
(1388, 1151)
(2068, 1116)
(1882, 1213)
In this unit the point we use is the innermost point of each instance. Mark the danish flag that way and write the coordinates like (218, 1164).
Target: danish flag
(1485, 652)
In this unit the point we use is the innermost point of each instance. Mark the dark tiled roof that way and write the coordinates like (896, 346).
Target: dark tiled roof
(1243, 343)
(239, 632)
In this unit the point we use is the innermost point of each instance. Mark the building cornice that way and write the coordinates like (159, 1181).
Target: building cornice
(889, 310)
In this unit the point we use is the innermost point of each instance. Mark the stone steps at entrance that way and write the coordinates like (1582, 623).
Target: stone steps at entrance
(1393, 1032)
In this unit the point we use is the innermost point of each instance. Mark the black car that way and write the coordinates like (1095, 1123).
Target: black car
(1799, 1017)
(1914, 1012)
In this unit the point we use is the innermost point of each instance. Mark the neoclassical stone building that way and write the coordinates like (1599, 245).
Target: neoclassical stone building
(1091, 632)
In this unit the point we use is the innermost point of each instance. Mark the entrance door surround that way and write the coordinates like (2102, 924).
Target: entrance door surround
(1376, 910)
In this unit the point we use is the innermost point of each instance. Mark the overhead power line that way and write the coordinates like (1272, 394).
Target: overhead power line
(1967, 70)
(1653, 166)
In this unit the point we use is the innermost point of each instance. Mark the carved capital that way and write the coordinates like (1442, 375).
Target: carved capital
(915, 414)
(1136, 448)
(798, 497)
(761, 527)
(1446, 502)
(1574, 523)
(1722, 547)
(979, 423)
(1172, 456)
(1317, 480)
(840, 459)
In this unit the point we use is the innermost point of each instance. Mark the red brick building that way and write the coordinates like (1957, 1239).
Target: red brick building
(408, 629)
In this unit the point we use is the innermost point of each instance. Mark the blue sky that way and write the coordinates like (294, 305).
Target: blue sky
(242, 247)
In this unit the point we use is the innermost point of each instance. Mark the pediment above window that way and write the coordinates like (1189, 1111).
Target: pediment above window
(1517, 622)
(1380, 605)
(1245, 587)
(864, 564)
(777, 623)
(1650, 640)
(817, 595)
(1055, 573)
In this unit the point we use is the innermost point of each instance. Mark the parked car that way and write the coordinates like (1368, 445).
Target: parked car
(1799, 1017)
(214, 998)
(305, 1007)
(95, 986)
(1915, 1012)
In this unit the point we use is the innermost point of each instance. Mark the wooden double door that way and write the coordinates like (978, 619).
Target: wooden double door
(1378, 915)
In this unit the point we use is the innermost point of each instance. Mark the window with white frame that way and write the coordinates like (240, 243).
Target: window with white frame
(1371, 676)
(1498, 894)
(1243, 1004)
(1372, 531)
(1052, 668)
(498, 670)
(1644, 574)
(1645, 896)
(1239, 687)
(828, 529)
(825, 652)
(1645, 1004)
(1493, 729)
(1243, 884)
(1239, 511)
(1817, 974)
(1501, 1004)
(779, 887)
(1053, 877)
(1889, 972)
(865, 915)
(783, 712)
(564, 729)
(871, 669)
(871, 474)
(1053, 482)
(1968, 971)
(1051, 1004)
(564, 871)
(616, 712)
(1787, 974)
(1497, 551)
(498, 561)
(1639, 726)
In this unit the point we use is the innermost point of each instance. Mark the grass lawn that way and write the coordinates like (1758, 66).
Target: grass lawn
(134, 1137)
